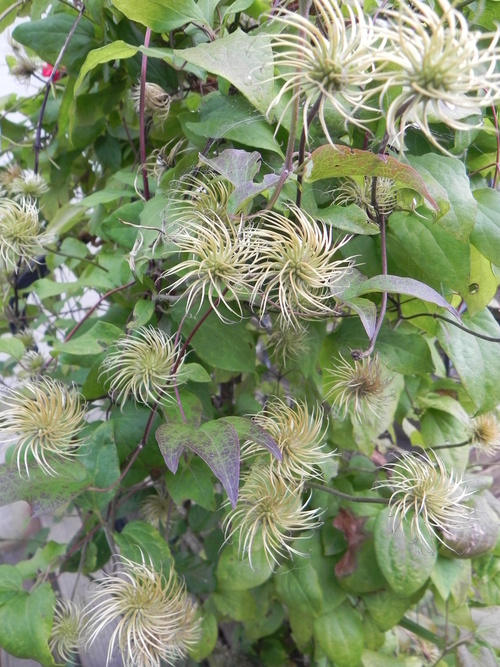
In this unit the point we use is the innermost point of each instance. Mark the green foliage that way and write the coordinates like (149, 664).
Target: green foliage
(198, 168)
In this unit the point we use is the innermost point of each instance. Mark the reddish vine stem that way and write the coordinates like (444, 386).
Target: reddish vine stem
(142, 119)
(302, 147)
(95, 306)
(183, 349)
(38, 135)
(383, 304)
(288, 166)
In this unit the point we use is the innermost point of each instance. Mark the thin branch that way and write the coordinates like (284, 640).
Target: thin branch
(183, 349)
(304, 6)
(95, 306)
(302, 147)
(383, 304)
(418, 630)
(346, 496)
(11, 9)
(436, 316)
(142, 119)
(38, 136)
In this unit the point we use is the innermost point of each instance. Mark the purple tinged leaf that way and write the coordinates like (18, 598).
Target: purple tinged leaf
(400, 285)
(367, 312)
(43, 498)
(219, 446)
(335, 161)
(174, 438)
(239, 167)
(248, 430)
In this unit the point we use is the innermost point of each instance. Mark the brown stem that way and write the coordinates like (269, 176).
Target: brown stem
(95, 306)
(142, 119)
(38, 146)
(436, 316)
(346, 496)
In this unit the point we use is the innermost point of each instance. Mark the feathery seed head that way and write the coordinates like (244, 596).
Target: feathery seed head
(156, 102)
(327, 59)
(43, 418)
(208, 196)
(28, 185)
(270, 514)
(300, 435)
(65, 639)
(22, 236)
(443, 71)
(423, 488)
(156, 619)
(288, 341)
(360, 385)
(220, 261)
(361, 193)
(156, 508)
(485, 433)
(297, 266)
(141, 364)
(24, 66)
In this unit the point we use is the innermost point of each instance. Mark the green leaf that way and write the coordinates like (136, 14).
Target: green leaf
(399, 285)
(208, 639)
(477, 361)
(26, 624)
(12, 347)
(236, 574)
(340, 635)
(405, 353)
(485, 235)
(425, 251)
(245, 61)
(94, 341)
(372, 659)
(350, 219)
(452, 577)
(47, 37)
(46, 559)
(191, 406)
(192, 481)
(237, 605)
(139, 541)
(195, 373)
(299, 588)
(450, 175)
(143, 312)
(235, 349)
(115, 51)
(487, 622)
(341, 161)
(161, 15)
(11, 583)
(442, 428)
(387, 608)
(101, 461)
(225, 117)
(406, 564)
(483, 283)
(43, 498)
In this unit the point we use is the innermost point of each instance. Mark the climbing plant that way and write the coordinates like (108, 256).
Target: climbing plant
(249, 253)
